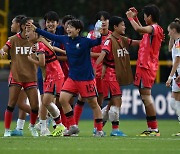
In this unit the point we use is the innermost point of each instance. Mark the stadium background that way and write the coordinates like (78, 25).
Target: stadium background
(86, 10)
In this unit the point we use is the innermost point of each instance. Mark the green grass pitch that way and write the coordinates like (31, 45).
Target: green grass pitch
(85, 143)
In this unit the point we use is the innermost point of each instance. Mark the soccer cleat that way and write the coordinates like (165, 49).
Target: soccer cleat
(95, 130)
(117, 132)
(45, 132)
(59, 130)
(73, 131)
(177, 134)
(99, 134)
(7, 133)
(17, 132)
(33, 131)
(38, 126)
(149, 133)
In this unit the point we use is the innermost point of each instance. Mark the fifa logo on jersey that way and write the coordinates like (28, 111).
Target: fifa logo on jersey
(122, 52)
(23, 50)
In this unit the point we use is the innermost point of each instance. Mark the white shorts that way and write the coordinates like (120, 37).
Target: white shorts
(175, 87)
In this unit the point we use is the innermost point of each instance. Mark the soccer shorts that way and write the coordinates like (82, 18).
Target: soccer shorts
(25, 85)
(175, 86)
(111, 89)
(53, 86)
(84, 88)
(144, 78)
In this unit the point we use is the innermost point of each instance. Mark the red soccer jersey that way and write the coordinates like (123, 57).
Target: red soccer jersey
(149, 48)
(53, 69)
(97, 49)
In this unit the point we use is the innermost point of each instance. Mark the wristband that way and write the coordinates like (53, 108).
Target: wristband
(130, 18)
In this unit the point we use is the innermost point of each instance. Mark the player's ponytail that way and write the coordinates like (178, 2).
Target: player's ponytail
(175, 25)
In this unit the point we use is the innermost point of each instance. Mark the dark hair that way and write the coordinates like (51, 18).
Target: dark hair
(24, 21)
(114, 20)
(175, 25)
(66, 18)
(152, 10)
(51, 15)
(104, 14)
(18, 18)
(78, 24)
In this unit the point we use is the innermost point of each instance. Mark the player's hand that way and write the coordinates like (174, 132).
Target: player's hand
(30, 58)
(129, 14)
(2, 53)
(30, 25)
(98, 29)
(168, 82)
(135, 12)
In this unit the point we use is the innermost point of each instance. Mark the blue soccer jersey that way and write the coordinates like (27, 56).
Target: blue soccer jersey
(78, 54)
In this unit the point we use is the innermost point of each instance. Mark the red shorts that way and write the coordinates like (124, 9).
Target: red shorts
(99, 83)
(25, 85)
(144, 78)
(111, 88)
(53, 86)
(84, 88)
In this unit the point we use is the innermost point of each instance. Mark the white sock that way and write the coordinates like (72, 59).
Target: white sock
(43, 125)
(20, 124)
(178, 109)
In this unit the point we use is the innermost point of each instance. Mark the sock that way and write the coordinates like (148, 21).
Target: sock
(115, 124)
(33, 117)
(43, 125)
(70, 118)
(152, 123)
(20, 124)
(58, 120)
(78, 111)
(98, 124)
(8, 117)
(63, 117)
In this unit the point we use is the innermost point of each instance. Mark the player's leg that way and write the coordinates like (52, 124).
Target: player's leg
(13, 97)
(32, 95)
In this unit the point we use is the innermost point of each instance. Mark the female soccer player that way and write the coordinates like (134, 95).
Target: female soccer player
(147, 62)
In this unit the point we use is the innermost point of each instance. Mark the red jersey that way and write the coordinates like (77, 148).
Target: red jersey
(149, 48)
(110, 74)
(53, 69)
(97, 49)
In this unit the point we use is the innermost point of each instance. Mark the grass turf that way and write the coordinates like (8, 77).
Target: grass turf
(85, 143)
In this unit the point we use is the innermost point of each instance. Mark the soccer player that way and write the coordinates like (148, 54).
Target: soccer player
(103, 16)
(22, 75)
(53, 78)
(81, 77)
(147, 62)
(117, 63)
(174, 33)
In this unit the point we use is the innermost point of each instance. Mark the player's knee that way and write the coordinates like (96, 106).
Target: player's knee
(147, 100)
(114, 113)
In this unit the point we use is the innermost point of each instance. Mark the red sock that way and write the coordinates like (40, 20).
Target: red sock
(115, 124)
(7, 119)
(71, 121)
(57, 120)
(152, 124)
(99, 124)
(33, 117)
(77, 112)
(63, 117)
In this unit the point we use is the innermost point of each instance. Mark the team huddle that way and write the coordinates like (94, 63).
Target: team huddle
(60, 64)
